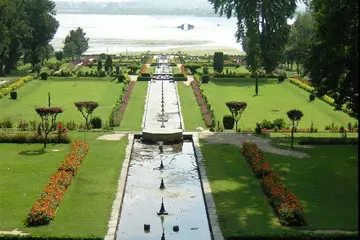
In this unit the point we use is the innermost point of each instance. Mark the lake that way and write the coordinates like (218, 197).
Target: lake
(138, 33)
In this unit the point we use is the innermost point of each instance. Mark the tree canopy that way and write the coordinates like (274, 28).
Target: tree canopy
(333, 62)
(261, 21)
(76, 43)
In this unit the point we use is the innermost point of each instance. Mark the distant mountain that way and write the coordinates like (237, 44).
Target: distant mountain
(138, 7)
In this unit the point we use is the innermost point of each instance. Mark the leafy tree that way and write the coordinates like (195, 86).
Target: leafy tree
(14, 30)
(218, 63)
(48, 120)
(78, 41)
(40, 16)
(86, 109)
(300, 39)
(69, 50)
(295, 116)
(253, 57)
(59, 55)
(47, 52)
(108, 63)
(236, 109)
(333, 62)
(99, 65)
(117, 68)
(265, 19)
(133, 68)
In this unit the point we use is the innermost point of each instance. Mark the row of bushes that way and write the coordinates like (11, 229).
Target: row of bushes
(119, 108)
(179, 77)
(329, 100)
(32, 138)
(205, 107)
(282, 200)
(328, 141)
(6, 90)
(44, 210)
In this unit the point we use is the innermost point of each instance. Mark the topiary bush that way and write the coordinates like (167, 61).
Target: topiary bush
(205, 79)
(311, 97)
(282, 76)
(228, 122)
(43, 75)
(96, 122)
(13, 95)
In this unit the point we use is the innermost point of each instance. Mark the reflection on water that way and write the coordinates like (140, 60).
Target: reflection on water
(183, 198)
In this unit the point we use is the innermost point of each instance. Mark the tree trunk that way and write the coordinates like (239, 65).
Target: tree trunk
(257, 84)
(292, 137)
(45, 140)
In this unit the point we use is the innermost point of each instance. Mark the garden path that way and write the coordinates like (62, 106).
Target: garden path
(238, 138)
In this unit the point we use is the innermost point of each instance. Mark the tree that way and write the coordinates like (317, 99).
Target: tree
(69, 50)
(40, 16)
(253, 57)
(59, 55)
(48, 120)
(47, 52)
(14, 30)
(333, 62)
(117, 68)
(295, 116)
(236, 109)
(133, 68)
(86, 109)
(265, 19)
(218, 63)
(78, 41)
(99, 65)
(108, 63)
(300, 39)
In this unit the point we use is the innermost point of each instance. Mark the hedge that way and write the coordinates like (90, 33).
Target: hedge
(180, 78)
(329, 100)
(328, 141)
(32, 138)
(6, 90)
(143, 78)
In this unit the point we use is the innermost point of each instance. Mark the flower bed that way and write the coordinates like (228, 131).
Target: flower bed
(284, 203)
(44, 210)
(205, 107)
(120, 106)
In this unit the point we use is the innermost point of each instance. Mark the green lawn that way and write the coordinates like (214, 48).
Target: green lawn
(64, 93)
(241, 69)
(326, 184)
(86, 207)
(273, 101)
(135, 109)
(189, 108)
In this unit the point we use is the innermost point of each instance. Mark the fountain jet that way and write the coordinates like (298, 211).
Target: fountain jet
(162, 209)
(162, 185)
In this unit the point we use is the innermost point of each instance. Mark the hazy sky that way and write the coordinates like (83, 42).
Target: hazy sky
(301, 6)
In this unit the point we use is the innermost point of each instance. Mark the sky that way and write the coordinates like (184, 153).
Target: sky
(301, 6)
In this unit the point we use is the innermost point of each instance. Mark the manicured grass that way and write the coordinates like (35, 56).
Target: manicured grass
(64, 93)
(241, 69)
(135, 109)
(316, 135)
(273, 101)
(326, 184)
(86, 207)
(189, 108)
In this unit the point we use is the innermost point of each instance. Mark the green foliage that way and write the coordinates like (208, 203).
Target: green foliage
(59, 55)
(32, 138)
(192, 67)
(311, 97)
(294, 115)
(236, 109)
(333, 63)
(282, 76)
(218, 62)
(6, 123)
(228, 122)
(76, 43)
(96, 122)
(99, 65)
(44, 76)
(108, 63)
(205, 79)
(13, 95)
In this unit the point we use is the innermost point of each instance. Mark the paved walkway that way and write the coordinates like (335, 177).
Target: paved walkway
(237, 139)
(190, 78)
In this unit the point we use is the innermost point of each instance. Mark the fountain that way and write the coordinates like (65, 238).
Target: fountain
(162, 210)
(162, 185)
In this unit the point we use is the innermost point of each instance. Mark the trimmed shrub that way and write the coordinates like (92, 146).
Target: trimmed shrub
(228, 122)
(96, 122)
(205, 79)
(32, 138)
(282, 76)
(145, 75)
(328, 141)
(44, 76)
(13, 95)
(218, 62)
(311, 97)
(121, 78)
